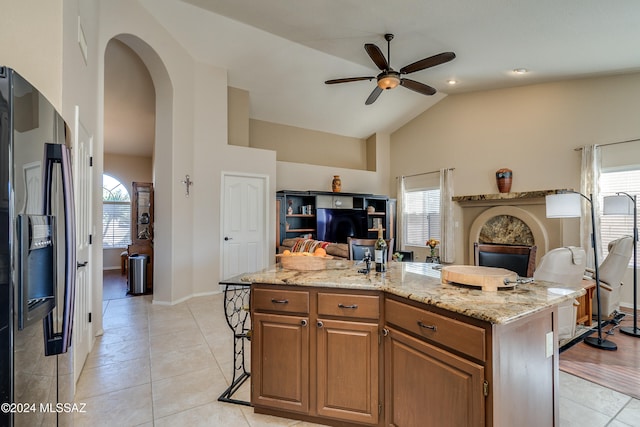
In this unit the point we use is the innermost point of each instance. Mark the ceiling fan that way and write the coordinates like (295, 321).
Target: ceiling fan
(389, 78)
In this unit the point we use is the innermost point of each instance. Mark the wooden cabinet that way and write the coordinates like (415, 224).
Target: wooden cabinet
(142, 219)
(142, 213)
(324, 365)
(296, 213)
(348, 355)
(320, 355)
(280, 349)
(280, 375)
(427, 383)
(443, 368)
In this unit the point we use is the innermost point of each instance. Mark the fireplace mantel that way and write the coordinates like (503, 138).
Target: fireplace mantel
(520, 198)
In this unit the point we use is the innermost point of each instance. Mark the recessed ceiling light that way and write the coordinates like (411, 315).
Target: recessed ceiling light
(452, 82)
(520, 71)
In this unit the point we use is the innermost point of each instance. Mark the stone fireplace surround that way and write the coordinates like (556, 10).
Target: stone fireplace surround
(508, 218)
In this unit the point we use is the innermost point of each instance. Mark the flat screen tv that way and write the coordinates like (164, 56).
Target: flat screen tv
(335, 225)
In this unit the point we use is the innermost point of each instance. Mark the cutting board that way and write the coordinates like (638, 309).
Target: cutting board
(486, 278)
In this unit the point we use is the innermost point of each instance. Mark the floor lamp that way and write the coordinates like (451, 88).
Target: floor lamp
(567, 205)
(625, 204)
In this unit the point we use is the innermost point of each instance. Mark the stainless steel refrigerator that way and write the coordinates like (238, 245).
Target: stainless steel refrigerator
(37, 258)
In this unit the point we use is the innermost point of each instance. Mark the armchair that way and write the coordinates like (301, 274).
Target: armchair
(518, 258)
(611, 272)
(566, 266)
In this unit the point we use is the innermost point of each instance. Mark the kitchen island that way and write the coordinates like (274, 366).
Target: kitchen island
(343, 348)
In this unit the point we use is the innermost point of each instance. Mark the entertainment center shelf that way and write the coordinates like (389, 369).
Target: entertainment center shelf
(308, 213)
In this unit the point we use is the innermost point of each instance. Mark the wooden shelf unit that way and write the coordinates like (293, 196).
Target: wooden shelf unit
(142, 219)
(291, 222)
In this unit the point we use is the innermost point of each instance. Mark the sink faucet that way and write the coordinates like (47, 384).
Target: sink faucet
(367, 261)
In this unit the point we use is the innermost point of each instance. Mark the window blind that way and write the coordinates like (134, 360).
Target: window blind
(422, 216)
(116, 223)
(615, 226)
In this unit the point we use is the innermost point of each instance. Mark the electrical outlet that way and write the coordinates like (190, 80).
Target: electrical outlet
(549, 338)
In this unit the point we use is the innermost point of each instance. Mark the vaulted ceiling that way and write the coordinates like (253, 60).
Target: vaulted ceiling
(282, 51)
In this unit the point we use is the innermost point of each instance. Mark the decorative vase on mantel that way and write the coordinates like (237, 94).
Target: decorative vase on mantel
(336, 184)
(503, 179)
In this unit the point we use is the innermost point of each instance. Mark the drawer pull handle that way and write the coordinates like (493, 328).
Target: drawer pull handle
(348, 306)
(431, 327)
(280, 301)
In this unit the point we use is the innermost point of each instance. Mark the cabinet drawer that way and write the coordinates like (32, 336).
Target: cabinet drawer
(349, 305)
(468, 339)
(284, 301)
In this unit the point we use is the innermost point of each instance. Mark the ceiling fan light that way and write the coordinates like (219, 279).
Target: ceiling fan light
(388, 82)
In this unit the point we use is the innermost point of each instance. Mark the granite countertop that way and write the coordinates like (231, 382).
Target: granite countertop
(421, 282)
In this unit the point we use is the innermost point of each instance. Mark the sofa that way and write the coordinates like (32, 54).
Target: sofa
(339, 250)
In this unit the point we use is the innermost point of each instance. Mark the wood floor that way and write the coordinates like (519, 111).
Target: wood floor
(619, 370)
(114, 285)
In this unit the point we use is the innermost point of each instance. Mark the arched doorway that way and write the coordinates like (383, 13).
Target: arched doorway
(129, 142)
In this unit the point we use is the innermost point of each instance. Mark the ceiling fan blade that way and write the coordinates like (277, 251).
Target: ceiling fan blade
(374, 95)
(417, 86)
(348, 79)
(376, 56)
(431, 61)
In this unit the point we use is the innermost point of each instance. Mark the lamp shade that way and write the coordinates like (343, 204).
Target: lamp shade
(563, 205)
(617, 205)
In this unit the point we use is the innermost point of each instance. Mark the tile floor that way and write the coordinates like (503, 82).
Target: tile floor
(166, 366)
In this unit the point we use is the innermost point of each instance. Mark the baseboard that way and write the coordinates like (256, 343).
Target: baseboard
(110, 268)
(183, 299)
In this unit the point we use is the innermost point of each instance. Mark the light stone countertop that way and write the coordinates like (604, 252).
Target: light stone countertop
(421, 282)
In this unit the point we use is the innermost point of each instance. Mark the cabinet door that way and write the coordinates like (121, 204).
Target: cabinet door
(280, 362)
(347, 370)
(427, 386)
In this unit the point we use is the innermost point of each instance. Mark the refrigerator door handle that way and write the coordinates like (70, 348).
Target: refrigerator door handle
(59, 342)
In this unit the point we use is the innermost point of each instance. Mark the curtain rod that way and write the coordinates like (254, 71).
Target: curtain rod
(610, 143)
(423, 173)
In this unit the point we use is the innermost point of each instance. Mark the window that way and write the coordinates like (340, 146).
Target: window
(422, 216)
(116, 214)
(614, 226)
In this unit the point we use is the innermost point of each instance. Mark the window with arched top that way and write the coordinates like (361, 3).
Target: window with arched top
(116, 214)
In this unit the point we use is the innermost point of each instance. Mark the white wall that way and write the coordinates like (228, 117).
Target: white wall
(301, 176)
(32, 44)
(532, 130)
(187, 244)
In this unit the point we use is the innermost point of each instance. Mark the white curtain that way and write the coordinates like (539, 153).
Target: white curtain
(447, 248)
(400, 214)
(590, 176)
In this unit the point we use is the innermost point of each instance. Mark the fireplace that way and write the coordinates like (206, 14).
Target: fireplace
(508, 218)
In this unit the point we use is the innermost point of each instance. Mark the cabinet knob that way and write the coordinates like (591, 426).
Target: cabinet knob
(304, 322)
(227, 238)
(320, 324)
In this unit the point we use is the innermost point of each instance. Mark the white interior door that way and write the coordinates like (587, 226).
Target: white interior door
(82, 331)
(244, 206)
